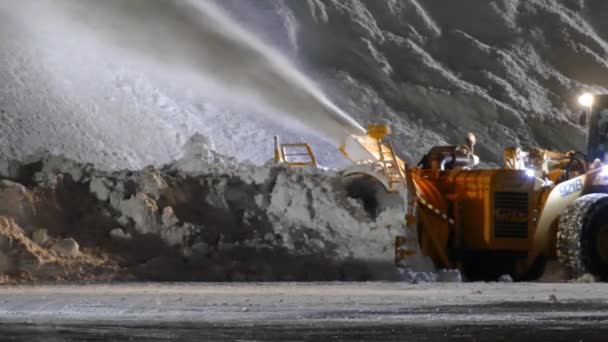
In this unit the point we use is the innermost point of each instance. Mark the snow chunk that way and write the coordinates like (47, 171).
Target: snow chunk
(66, 248)
(143, 210)
(119, 234)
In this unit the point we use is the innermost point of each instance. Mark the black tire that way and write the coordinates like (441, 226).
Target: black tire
(578, 233)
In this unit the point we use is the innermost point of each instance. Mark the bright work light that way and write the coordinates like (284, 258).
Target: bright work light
(586, 100)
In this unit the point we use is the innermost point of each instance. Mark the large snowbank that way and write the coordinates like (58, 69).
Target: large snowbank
(206, 217)
(508, 70)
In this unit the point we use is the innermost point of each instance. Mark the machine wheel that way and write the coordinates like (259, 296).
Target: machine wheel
(582, 237)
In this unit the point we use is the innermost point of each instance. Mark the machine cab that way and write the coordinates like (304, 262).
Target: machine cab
(597, 141)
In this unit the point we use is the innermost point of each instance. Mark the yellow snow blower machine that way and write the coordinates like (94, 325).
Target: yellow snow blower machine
(540, 205)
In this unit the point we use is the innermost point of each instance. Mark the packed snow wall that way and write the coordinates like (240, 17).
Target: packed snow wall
(509, 71)
(204, 217)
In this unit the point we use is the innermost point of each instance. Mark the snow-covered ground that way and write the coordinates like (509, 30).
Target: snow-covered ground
(299, 303)
(325, 311)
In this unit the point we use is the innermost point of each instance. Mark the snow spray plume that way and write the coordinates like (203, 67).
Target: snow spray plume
(197, 37)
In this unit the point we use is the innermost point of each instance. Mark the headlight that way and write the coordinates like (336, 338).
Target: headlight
(530, 173)
(586, 100)
(604, 172)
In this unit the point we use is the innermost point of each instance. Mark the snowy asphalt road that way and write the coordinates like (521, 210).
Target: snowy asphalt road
(305, 312)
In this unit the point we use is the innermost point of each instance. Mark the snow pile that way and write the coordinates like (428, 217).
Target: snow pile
(25, 260)
(424, 66)
(200, 40)
(205, 217)
(435, 69)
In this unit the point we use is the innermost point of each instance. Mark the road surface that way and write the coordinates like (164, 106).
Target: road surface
(306, 312)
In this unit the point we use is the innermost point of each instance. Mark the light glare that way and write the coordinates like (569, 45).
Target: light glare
(530, 173)
(604, 172)
(586, 100)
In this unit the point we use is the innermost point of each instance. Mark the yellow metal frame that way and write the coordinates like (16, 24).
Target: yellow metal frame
(285, 155)
(281, 154)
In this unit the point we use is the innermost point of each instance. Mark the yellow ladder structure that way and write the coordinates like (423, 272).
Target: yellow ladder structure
(294, 155)
(389, 163)
(386, 156)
